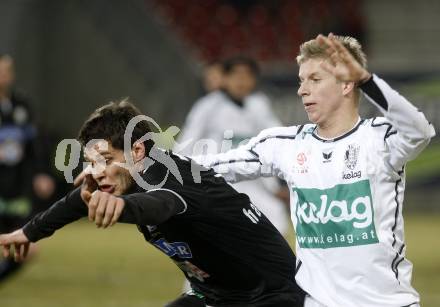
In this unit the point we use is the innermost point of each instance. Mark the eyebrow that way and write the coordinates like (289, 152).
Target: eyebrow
(105, 153)
(313, 74)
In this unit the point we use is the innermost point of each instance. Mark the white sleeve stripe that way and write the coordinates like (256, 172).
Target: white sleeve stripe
(177, 195)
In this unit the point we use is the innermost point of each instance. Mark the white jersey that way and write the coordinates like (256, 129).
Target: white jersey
(222, 124)
(346, 199)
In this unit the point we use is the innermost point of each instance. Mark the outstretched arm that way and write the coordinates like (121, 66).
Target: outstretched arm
(258, 158)
(66, 210)
(103, 208)
(145, 208)
(409, 131)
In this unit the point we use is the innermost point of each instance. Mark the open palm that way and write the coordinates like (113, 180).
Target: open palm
(340, 62)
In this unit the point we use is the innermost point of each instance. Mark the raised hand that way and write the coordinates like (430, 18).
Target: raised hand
(18, 242)
(340, 61)
(104, 208)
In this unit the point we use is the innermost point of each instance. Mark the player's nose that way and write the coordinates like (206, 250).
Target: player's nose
(303, 90)
(98, 174)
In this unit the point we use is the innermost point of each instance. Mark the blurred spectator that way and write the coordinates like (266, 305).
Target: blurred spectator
(231, 116)
(23, 179)
(213, 76)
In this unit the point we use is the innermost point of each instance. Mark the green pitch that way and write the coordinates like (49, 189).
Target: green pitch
(81, 266)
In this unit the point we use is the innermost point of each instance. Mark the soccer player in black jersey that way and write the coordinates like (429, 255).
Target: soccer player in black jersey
(228, 250)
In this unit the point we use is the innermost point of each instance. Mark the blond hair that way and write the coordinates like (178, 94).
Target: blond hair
(313, 49)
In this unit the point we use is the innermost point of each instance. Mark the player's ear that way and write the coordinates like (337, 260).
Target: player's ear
(138, 151)
(348, 87)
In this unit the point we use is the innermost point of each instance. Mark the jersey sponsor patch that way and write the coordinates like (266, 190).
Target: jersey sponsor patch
(192, 270)
(181, 249)
(341, 216)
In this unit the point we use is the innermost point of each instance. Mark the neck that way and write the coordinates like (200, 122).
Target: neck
(338, 126)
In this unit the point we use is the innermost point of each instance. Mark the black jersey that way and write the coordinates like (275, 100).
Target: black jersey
(225, 246)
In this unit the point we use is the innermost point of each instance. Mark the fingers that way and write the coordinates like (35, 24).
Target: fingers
(86, 196)
(328, 67)
(101, 207)
(25, 250)
(88, 186)
(335, 49)
(109, 211)
(6, 250)
(93, 205)
(79, 179)
(338, 46)
(17, 247)
(6, 246)
(88, 183)
(120, 204)
(105, 209)
(17, 241)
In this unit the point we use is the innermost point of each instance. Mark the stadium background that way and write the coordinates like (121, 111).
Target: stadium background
(72, 56)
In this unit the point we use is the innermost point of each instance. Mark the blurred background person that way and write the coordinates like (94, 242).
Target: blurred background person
(23, 177)
(212, 77)
(230, 116)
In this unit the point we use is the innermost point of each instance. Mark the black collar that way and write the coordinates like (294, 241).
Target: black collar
(237, 102)
(339, 137)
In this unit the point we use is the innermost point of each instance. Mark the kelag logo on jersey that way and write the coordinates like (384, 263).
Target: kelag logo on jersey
(181, 249)
(338, 217)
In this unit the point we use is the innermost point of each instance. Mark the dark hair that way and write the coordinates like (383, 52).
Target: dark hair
(109, 123)
(231, 63)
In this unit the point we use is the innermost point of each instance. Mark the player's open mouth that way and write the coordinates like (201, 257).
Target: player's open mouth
(309, 105)
(107, 188)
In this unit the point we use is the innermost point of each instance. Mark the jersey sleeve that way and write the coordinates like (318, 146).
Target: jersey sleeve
(409, 131)
(152, 208)
(257, 158)
(66, 210)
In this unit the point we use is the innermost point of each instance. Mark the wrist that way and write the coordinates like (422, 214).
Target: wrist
(365, 77)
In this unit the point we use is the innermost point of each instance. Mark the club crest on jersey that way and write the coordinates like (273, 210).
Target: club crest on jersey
(351, 156)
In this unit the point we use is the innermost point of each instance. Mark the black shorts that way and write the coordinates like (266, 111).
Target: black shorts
(186, 300)
(279, 300)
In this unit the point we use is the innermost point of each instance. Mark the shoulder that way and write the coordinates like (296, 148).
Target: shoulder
(207, 102)
(277, 133)
(380, 126)
(258, 98)
(209, 98)
(258, 102)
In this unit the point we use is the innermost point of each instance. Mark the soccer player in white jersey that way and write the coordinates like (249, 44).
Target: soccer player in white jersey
(346, 177)
(224, 118)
